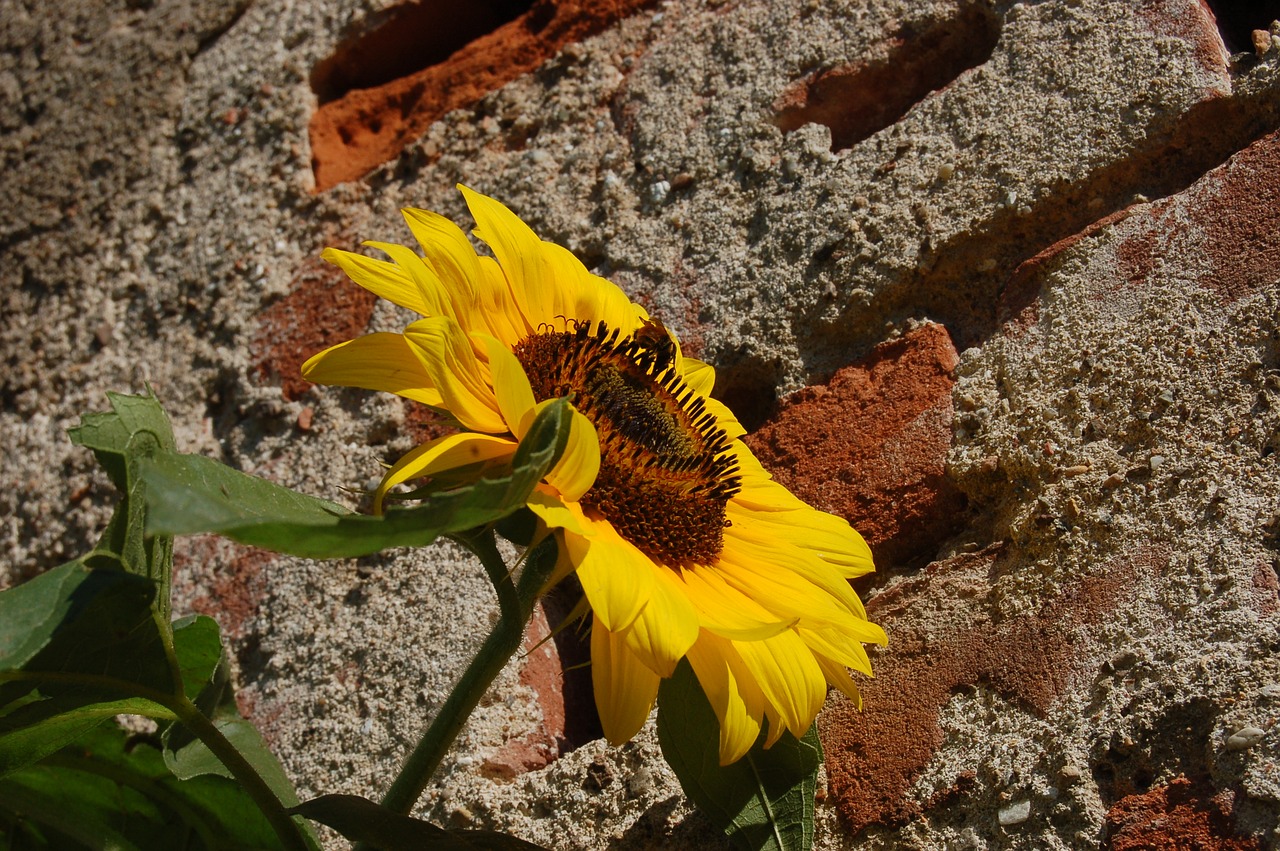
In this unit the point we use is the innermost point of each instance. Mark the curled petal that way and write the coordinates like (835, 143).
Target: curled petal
(739, 726)
(625, 689)
(447, 355)
(698, 375)
(576, 471)
(441, 455)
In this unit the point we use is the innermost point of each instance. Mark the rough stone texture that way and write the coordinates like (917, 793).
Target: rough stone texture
(871, 445)
(388, 103)
(1080, 193)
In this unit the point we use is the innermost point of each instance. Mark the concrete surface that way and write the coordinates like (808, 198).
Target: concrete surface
(1026, 255)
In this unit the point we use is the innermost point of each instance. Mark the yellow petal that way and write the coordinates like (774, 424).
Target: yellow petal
(448, 252)
(478, 288)
(828, 537)
(433, 298)
(375, 362)
(441, 455)
(624, 688)
(790, 678)
(576, 471)
(554, 512)
(510, 385)
(616, 577)
(738, 728)
(497, 304)
(764, 574)
(759, 491)
(383, 279)
(698, 375)
(726, 611)
(666, 628)
(583, 296)
(519, 253)
(838, 676)
(447, 355)
(844, 645)
(754, 546)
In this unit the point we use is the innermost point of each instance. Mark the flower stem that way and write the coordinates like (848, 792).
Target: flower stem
(243, 771)
(498, 647)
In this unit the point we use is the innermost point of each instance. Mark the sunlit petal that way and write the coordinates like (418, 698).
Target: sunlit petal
(441, 455)
(788, 675)
(666, 627)
(447, 355)
(510, 385)
(375, 362)
(739, 727)
(616, 577)
(383, 279)
(625, 689)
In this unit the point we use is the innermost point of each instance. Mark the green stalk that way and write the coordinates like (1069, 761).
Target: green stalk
(504, 641)
(190, 716)
(243, 771)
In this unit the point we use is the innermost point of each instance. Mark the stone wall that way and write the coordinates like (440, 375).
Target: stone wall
(999, 282)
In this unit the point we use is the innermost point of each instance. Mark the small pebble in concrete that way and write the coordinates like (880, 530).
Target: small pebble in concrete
(1244, 739)
(1015, 813)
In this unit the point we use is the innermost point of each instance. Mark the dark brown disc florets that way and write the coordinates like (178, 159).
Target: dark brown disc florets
(666, 472)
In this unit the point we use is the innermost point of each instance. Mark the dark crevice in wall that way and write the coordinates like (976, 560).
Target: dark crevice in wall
(861, 98)
(573, 645)
(412, 37)
(1237, 19)
(380, 91)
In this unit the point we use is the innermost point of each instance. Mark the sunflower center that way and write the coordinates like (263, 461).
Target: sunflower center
(665, 468)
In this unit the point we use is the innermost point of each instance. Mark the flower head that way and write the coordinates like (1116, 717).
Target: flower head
(683, 544)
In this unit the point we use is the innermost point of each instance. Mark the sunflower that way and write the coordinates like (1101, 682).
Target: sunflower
(683, 545)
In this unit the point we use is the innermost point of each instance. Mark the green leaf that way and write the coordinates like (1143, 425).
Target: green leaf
(764, 801)
(197, 645)
(134, 429)
(189, 494)
(194, 759)
(76, 646)
(361, 820)
(136, 426)
(108, 791)
(206, 681)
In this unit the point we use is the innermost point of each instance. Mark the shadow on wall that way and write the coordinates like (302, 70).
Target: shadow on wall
(862, 98)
